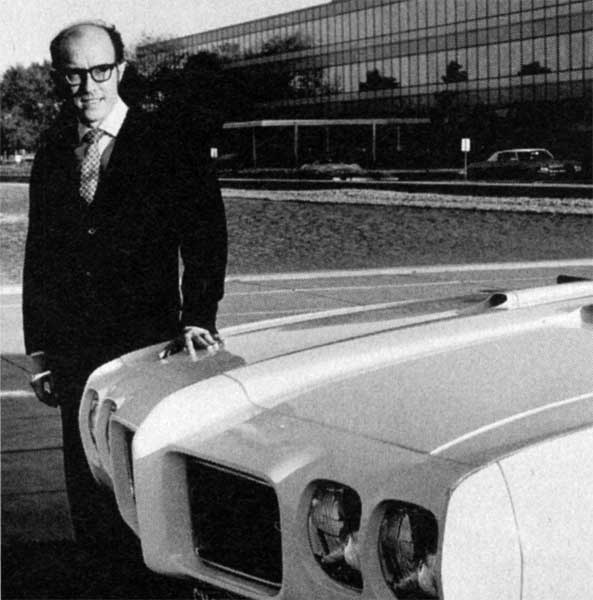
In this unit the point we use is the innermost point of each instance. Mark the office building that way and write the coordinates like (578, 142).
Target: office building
(425, 72)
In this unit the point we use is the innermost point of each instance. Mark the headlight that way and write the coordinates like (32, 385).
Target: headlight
(544, 169)
(334, 521)
(93, 414)
(408, 539)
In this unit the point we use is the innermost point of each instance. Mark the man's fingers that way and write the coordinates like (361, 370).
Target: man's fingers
(191, 339)
(171, 348)
(189, 344)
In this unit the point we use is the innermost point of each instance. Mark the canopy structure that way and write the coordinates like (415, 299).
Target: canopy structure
(295, 124)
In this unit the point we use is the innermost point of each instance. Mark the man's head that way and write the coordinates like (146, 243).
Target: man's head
(88, 66)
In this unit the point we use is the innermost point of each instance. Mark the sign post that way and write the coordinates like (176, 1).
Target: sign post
(465, 146)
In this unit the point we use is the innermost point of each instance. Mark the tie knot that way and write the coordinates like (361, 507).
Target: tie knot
(92, 136)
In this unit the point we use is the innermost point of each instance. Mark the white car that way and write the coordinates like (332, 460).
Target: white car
(444, 455)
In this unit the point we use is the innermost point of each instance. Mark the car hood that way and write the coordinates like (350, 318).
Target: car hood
(466, 390)
(139, 380)
(465, 394)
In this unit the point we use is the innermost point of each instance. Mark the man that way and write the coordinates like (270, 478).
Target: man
(114, 199)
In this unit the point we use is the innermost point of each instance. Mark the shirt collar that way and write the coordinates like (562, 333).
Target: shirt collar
(112, 123)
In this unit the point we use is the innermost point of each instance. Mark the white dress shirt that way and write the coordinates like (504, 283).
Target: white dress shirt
(110, 125)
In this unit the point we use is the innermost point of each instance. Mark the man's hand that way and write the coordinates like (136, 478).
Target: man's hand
(42, 380)
(190, 339)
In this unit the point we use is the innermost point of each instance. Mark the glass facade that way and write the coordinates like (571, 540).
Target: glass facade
(414, 58)
(373, 57)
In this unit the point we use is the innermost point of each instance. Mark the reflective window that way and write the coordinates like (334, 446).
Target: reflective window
(348, 78)
(577, 47)
(433, 73)
(331, 31)
(395, 25)
(504, 62)
(404, 16)
(472, 63)
(527, 52)
(460, 10)
(378, 20)
(369, 18)
(515, 57)
(431, 16)
(449, 9)
(404, 71)
(354, 25)
(588, 52)
(413, 70)
(482, 8)
(441, 8)
(395, 70)
(346, 33)
(385, 19)
(482, 62)
(421, 7)
(552, 52)
(340, 29)
(492, 60)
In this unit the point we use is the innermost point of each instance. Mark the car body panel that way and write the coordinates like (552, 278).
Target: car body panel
(534, 506)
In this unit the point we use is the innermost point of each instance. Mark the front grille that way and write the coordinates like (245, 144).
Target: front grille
(121, 438)
(236, 522)
(128, 438)
(203, 591)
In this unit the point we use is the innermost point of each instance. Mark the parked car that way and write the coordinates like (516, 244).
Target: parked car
(332, 170)
(443, 455)
(525, 164)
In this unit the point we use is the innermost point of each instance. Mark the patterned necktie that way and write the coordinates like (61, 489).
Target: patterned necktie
(91, 165)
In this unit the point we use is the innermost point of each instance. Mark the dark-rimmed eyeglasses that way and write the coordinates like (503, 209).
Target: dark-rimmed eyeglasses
(98, 73)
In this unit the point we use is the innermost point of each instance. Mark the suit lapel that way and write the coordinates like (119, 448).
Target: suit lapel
(128, 165)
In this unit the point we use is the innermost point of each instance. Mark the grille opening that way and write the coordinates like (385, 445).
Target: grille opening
(128, 438)
(236, 522)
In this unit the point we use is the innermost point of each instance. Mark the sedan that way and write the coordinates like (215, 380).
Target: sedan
(524, 164)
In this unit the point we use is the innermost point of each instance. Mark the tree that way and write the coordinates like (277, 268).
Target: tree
(29, 104)
(376, 81)
(454, 73)
(533, 68)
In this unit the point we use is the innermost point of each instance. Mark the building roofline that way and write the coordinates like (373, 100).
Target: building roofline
(321, 122)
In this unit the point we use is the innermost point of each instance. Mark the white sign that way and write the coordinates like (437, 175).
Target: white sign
(213, 152)
(465, 144)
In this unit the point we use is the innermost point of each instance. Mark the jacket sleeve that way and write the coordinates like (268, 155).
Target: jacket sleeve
(203, 237)
(34, 297)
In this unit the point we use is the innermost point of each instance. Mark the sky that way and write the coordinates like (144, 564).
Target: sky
(27, 26)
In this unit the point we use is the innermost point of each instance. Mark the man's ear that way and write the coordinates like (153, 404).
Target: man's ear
(61, 87)
(121, 67)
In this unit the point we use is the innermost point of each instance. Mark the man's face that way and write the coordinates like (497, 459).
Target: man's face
(86, 48)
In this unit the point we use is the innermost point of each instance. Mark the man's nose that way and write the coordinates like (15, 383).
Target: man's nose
(88, 84)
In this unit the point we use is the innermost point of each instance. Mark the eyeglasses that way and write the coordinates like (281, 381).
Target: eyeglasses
(98, 73)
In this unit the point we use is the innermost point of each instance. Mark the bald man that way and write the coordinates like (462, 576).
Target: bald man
(115, 198)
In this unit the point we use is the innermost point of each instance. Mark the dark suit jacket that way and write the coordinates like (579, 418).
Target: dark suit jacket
(104, 279)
